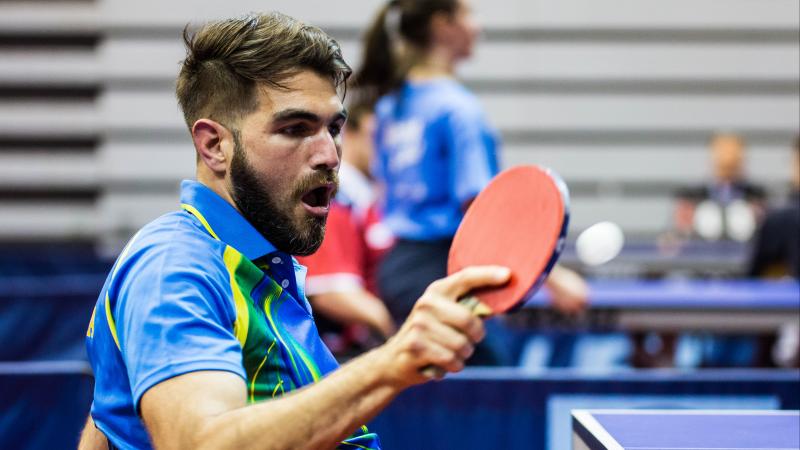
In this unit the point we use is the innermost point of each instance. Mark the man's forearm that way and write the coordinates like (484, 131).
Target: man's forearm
(315, 418)
(92, 438)
(208, 409)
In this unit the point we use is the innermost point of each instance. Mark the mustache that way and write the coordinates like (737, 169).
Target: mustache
(317, 178)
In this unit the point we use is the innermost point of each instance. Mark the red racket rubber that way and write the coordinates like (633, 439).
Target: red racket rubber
(519, 221)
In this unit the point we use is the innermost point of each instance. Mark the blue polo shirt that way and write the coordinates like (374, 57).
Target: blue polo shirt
(435, 151)
(201, 289)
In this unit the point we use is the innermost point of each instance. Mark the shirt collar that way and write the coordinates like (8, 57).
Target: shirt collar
(224, 220)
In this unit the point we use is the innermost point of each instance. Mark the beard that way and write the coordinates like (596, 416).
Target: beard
(271, 216)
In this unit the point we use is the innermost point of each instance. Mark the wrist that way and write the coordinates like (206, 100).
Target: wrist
(382, 366)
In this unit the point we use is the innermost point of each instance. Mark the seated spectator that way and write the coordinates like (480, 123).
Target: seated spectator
(726, 207)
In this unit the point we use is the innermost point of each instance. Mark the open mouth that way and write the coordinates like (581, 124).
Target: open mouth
(317, 200)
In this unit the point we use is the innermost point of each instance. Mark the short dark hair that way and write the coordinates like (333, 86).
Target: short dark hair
(356, 112)
(225, 60)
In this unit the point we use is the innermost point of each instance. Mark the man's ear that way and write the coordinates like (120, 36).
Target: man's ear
(212, 143)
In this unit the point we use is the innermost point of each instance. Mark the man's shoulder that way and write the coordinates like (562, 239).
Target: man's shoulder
(171, 243)
(752, 191)
(170, 260)
(179, 230)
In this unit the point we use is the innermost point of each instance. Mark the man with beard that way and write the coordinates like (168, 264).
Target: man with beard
(202, 336)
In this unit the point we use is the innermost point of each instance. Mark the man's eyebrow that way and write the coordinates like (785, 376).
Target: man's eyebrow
(302, 114)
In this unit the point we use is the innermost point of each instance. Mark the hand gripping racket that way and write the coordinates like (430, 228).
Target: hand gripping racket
(518, 221)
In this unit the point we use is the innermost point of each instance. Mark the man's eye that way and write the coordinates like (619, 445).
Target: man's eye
(295, 130)
(335, 130)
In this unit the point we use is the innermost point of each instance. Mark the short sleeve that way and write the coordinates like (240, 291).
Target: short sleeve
(471, 166)
(174, 316)
(338, 265)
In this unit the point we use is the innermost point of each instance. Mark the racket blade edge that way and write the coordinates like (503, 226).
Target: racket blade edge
(519, 221)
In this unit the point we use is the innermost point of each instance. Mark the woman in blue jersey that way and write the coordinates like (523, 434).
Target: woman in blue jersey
(435, 149)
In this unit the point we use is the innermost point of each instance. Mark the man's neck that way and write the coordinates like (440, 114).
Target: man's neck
(217, 184)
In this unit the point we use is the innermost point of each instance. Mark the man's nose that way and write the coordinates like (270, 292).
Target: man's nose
(325, 152)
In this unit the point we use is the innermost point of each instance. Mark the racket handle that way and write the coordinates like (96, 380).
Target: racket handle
(432, 372)
(478, 309)
(474, 305)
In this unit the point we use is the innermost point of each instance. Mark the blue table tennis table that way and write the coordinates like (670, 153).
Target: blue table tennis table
(730, 306)
(685, 430)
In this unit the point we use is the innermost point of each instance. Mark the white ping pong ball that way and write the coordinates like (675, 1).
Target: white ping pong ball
(600, 243)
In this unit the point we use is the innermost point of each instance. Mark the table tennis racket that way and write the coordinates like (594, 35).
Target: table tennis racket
(518, 221)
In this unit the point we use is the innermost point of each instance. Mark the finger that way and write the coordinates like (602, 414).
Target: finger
(451, 339)
(454, 316)
(467, 279)
(442, 357)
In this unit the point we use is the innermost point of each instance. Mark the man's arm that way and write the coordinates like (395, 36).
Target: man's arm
(209, 410)
(92, 438)
(355, 306)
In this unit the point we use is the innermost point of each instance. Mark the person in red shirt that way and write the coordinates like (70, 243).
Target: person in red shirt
(341, 274)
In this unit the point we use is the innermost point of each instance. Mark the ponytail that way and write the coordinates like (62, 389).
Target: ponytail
(399, 34)
(379, 71)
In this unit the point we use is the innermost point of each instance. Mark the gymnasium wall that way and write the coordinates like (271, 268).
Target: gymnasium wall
(618, 96)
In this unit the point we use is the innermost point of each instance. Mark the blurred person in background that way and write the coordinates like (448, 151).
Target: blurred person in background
(435, 149)
(776, 245)
(726, 207)
(202, 336)
(340, 282)
(776, 254)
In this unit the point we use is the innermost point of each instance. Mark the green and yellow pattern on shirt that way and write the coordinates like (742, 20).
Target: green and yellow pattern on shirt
(276, 359)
